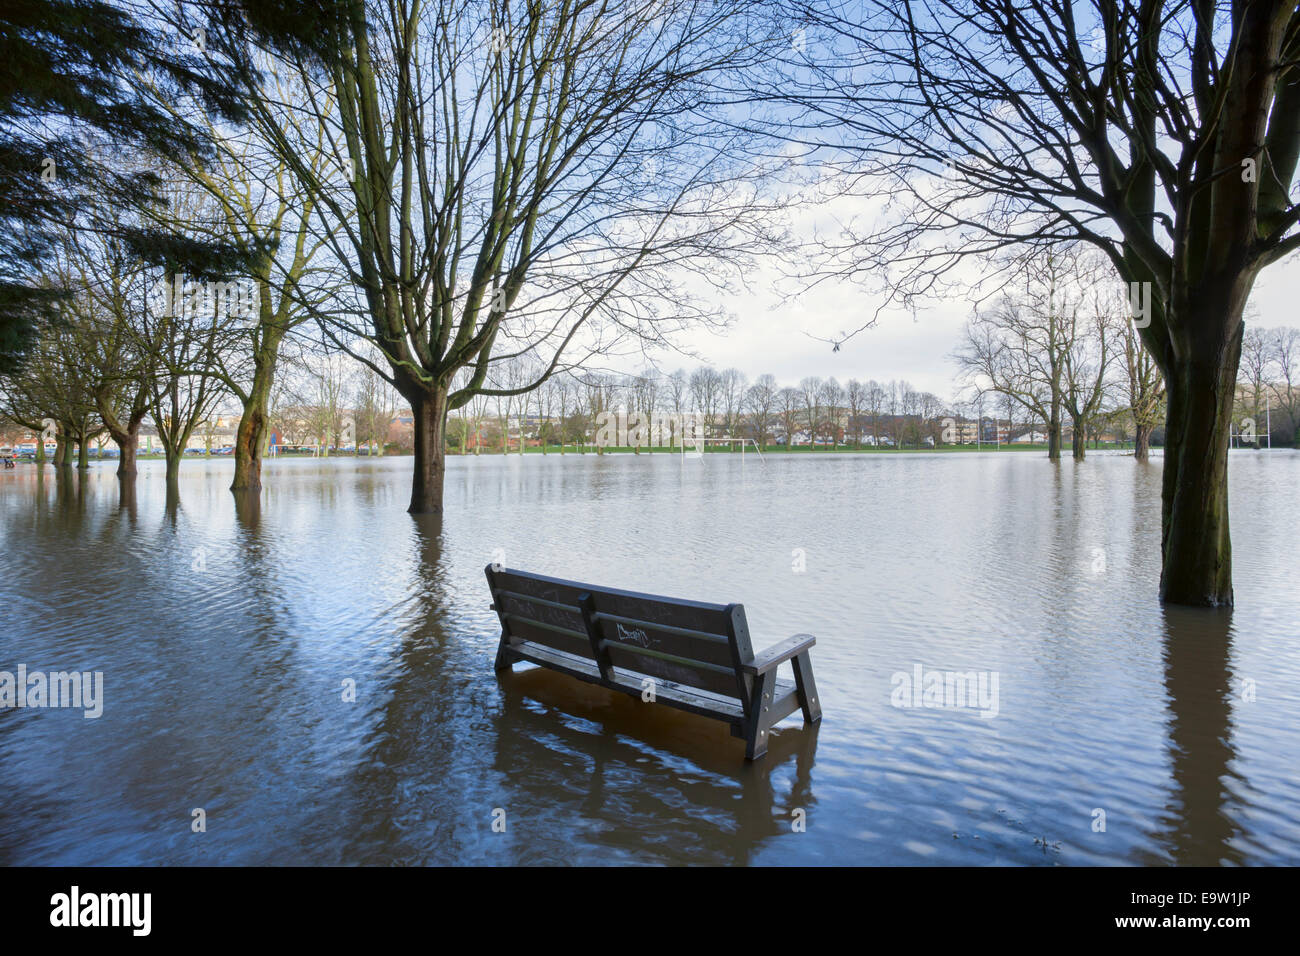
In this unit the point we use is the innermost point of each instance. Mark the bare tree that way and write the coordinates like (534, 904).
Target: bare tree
(678, 391)
(1286, 384)
(567, 392)
(266, 215)
(1255, 362)
(875, 405)
(831, 399)
(1022, 345)
(1144, 390)
(374, 405)
(1164, 134)
(1089, 358)
(855, 394)
(521, 180)
(810, 390)
(761, 401)
(706, 387)
(732, 387)
(108, 292)
(789, 403)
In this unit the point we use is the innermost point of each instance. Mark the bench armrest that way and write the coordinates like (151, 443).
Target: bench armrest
(778, 654)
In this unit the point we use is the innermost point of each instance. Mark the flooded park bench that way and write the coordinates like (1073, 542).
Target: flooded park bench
(693, 656)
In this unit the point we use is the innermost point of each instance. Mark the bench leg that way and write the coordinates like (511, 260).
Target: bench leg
(760, 723)
(505, 660)
(807, 689)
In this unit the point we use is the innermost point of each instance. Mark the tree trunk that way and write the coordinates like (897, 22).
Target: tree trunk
(248, 447)
(83, 455)
(62, 452)
(173, 464)
(430, 413)
(1054, 434)
(1195, 543)
(1142, 442)
(127, 444)
(252, 430)
(1079, 443)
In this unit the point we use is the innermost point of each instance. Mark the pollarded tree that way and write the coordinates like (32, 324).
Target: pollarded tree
(522, 179)
(1166, 134)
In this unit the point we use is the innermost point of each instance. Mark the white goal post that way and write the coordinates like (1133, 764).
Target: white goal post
(697, 444)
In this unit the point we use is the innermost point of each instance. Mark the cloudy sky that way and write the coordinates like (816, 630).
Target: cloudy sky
(770, 335)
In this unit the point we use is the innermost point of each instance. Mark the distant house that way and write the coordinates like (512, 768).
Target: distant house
(401, 429)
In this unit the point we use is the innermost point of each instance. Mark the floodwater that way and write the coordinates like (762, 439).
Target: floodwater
(227, 631)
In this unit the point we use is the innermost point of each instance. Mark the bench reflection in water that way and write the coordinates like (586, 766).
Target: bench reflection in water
(653, 782)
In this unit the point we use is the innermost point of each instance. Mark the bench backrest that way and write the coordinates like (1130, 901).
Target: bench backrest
(688, 642)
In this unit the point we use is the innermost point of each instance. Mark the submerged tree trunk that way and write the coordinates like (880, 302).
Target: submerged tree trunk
(430, 412)
(1142, 442)
(83, 454)
(1054, 434)
(1195, 544)
(173, 464)
(127, 445)
(251, 433)
(1079, 443)
(126, 497)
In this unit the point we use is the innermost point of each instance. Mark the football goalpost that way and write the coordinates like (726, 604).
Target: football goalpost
(697, 444)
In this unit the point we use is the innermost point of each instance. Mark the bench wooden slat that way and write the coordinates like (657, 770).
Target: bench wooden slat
(541, 602)
(664, 628)
(690, 673)
(694, 615)
(562, 639)
(684, 698)
(681, 655)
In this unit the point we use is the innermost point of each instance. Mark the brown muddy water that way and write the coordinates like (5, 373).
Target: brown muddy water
(1110, 731)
